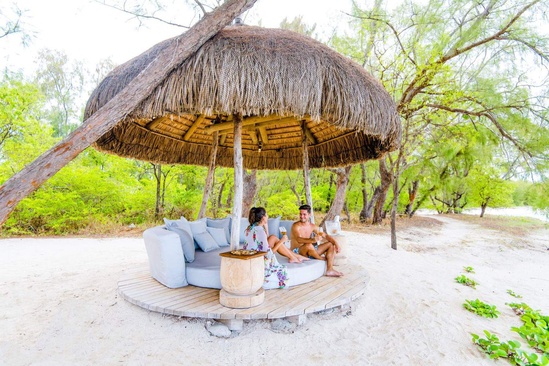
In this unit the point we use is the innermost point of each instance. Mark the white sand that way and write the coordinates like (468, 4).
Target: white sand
(59, 305)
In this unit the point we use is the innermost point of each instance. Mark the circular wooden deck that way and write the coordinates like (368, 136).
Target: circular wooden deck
(139, 288)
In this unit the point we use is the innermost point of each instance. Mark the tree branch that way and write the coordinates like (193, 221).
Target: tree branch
(139, 16)
(490, 116)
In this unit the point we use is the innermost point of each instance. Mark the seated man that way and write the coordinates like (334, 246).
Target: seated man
(319, 246)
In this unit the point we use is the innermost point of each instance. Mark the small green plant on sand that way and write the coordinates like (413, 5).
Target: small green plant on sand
(495, 349)
(512, 293)
(469, 269)
(464, 280)
(535, 328)
(480, 308)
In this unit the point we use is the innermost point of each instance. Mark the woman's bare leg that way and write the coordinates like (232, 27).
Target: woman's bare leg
(283, 250)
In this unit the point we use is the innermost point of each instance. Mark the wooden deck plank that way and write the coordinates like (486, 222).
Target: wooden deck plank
(318, 303)
(139, 288)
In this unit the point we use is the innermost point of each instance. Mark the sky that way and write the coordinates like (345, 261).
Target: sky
(88, 31)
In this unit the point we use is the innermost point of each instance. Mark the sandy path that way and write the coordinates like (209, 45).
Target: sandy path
(59, 305)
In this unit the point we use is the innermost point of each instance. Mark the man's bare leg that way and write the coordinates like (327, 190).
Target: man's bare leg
(329, 250)
(309, 250)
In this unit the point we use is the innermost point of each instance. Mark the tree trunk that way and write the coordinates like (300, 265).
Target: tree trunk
(36, 173)
(209, 178)
(341, 189)
(157, 168)
(421, 200)
(386, 180)
(396, 195)
(329, 197)
(483, 206)
(346, 209)
(363, 213)
(250, 189)
(412, 194)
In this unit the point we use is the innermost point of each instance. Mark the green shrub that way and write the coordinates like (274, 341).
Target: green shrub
(480, 308)
(464, 280)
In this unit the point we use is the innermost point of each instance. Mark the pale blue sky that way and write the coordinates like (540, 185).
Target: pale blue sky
(88, 31)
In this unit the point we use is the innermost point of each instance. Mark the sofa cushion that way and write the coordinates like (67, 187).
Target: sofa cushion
(205, 241)
(273, 225)
(187, 242)
(224, 224)
(205, 270)
(218, 234)
(244, 223)
(166, 260)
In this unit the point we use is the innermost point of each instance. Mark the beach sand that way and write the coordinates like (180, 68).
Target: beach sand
(59, 304)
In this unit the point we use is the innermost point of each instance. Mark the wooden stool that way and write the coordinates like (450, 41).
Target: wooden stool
(242, 278)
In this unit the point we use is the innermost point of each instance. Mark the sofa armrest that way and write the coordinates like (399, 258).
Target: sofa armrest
(166, 260)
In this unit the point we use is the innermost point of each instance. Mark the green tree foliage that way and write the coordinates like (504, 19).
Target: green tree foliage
(63, 83)
(453, 63)
(22, 136)
(473, 119)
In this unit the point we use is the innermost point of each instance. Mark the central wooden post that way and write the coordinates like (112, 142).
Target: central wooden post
(238, 185)
(306, 179)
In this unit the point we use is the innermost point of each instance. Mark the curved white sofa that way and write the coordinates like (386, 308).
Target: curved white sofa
(167, 263)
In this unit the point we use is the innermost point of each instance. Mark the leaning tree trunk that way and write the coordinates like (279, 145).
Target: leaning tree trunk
(339, 199)
(250, 189)
(386, 180)
(36, 173)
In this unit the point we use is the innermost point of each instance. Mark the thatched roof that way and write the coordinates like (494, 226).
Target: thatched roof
(285, 86)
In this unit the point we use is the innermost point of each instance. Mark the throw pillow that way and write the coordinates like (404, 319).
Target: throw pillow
(224, 224)
(187, 242)
(184, 224)
(198, 226)
(219, 236)
(273, 224)
(206, 242)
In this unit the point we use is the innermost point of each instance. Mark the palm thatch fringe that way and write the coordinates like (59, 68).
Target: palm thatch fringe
(137, 142)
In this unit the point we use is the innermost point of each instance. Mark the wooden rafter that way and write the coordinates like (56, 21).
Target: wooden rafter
(253, 136)
(193, 127)
(308, 133)
(263, 134)
(273, 119)
(155, 122)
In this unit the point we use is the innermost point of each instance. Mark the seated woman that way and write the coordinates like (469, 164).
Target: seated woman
(257, 238)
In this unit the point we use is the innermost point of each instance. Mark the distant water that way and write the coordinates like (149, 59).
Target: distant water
(522, 211)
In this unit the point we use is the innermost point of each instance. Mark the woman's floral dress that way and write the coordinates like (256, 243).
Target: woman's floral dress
(256, 239)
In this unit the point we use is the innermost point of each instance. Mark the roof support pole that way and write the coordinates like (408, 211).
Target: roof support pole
(209, 177)
(306, 178)
(238, 184)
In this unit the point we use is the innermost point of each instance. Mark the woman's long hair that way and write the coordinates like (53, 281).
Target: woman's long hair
(256, 214)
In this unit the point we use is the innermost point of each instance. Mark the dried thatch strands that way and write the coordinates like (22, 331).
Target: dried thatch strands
(287, 87)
